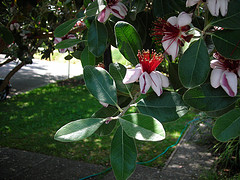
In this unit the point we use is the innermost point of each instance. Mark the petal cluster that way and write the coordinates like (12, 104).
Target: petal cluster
(173, 32)
(225, 74)
(146, 73)
(115, 7)
(214, 6)
(58, 40)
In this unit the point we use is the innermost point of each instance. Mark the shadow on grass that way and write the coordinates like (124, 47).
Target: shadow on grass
(29, 122)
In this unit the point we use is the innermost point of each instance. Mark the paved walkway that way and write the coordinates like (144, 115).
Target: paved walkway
(188, 161)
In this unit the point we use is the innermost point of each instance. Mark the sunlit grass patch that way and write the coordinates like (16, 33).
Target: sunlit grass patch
(29, 122)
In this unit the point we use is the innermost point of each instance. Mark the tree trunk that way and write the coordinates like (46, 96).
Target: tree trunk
(10, 74)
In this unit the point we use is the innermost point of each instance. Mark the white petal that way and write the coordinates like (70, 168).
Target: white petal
(238, 71)
(156, 82)
(223, 7)
(229, 83)
(191, 2)
(57, 40)
(103, 15)
(173, 20)
(118, 11)
(165, 81)
(170, 46)
(184, 19)
(215, 77)
(11, 27)
(213, 7)
(215, 64)
(144, 82)
(132, 75)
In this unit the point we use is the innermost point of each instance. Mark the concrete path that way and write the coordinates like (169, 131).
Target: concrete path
(39, 73)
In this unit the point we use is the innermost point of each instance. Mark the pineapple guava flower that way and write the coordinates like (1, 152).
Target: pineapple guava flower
(224, 73)
(214, 6)
(173, 32)
(58, 40)
(115, 7)
(146, 74)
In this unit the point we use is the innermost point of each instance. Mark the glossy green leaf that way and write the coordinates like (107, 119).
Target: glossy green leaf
(220, 112)
(128, 41)
(227, 43)
(87, 58)
(100, 84)
(123, 155)
(118, 72)
(206, 98)
(173, 76)
(97, 38)
(142, 127)
(67, 43)
(227, 126)
(64, 28)
(165, 108)
(232, 19)
(104, 112)
(194, 65)
(92, 9)
(162, 8)
(77, 54)
(6, 35)
(78, 130)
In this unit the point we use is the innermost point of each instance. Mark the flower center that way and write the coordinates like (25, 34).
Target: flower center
(112, 2)
(231, 65)
(149, 61)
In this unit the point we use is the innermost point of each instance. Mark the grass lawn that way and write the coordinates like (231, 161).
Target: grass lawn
(29, 122)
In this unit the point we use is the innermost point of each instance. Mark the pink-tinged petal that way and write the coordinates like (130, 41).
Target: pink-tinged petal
(156, 82)
(71, 36)
(123, 7)
(118, 11)
(170, 46)
(184, 19)
(215, 77)
(215, 64)
(16, 26)
(213, 7)
(229, 83)
(165, 81)
(132, 75)
(223, 7)
(191, 2)
(173, 20)
(104, 104)
(144, 82)
(103, 15)
(57, 40)
(62, 50)
(11, 27)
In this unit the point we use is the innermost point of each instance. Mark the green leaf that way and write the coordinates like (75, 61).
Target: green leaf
(68, 57)
(100, 84)
(67, 43)
(128, 41)
(77, 54)
(64, 28)
(173, 76)
(194, 65)
(220, 112)
(6, 35)
(162, 8)
(165, 108)
(97, 38)
(92, 9)
(227, 126)
(206, 98)
(110, 111)
(78, 130)
(232, 19)
(87, 58)
(227, 43)
(123, 155)
(118, 72)
(142, 127)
